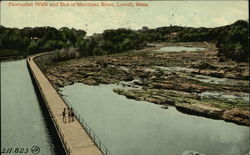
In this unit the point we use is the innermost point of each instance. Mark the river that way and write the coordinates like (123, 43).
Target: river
(23, 124)
(125, 126)
(141, 128)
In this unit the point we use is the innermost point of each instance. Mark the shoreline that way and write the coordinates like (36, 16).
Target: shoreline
(6, 59)
(164, 87)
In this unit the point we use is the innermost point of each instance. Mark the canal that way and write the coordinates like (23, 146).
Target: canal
(24, 122)
(141, 128)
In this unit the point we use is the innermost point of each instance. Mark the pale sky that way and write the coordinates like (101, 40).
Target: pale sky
(97, 19)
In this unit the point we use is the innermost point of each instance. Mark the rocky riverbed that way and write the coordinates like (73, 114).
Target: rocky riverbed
(167, 78)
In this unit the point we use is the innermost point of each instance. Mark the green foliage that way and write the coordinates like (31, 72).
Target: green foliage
(33, 47)
(111, 41)
(122, 40)
(232, 40)
(28, 40)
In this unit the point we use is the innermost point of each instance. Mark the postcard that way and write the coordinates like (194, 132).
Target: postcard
(125, 77)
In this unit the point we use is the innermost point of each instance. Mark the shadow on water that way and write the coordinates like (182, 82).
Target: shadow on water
(58, 147)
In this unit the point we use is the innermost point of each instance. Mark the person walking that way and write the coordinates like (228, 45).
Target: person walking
(72, 114)
(69, 114)
(64, 115)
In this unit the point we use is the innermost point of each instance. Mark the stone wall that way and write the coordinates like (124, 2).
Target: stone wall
(56, 56)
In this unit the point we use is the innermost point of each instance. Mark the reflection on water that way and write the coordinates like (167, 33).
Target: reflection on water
(179, 49)
(21, 118)
(142, 128)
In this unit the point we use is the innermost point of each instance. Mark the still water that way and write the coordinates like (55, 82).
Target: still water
(179, 49)
(22, 121)
(129, 127)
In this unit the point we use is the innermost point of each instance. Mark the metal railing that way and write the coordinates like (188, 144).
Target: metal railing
(60, 133)
(89, 131)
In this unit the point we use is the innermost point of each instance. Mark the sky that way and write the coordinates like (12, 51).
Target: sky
(97, 19)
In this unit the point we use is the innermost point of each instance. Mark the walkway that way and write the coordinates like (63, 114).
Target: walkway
(75, 139)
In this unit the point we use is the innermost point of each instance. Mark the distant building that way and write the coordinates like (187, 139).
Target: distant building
(171, 35)
(34, 38)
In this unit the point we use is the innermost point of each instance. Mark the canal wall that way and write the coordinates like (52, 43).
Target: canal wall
(74, 138)
(59, 148)
(57, 55)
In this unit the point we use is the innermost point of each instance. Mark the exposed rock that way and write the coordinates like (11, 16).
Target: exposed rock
(59, 84)
(129, 94)
(164, 107)
(201, 110)
(89, 81)
(179, 86)
(127, 78)
(237, 116)
(138, 82)
(204, 65)
(192, 153)
(159, 86)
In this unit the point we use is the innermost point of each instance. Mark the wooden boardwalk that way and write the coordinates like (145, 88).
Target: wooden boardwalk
(74, 138)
